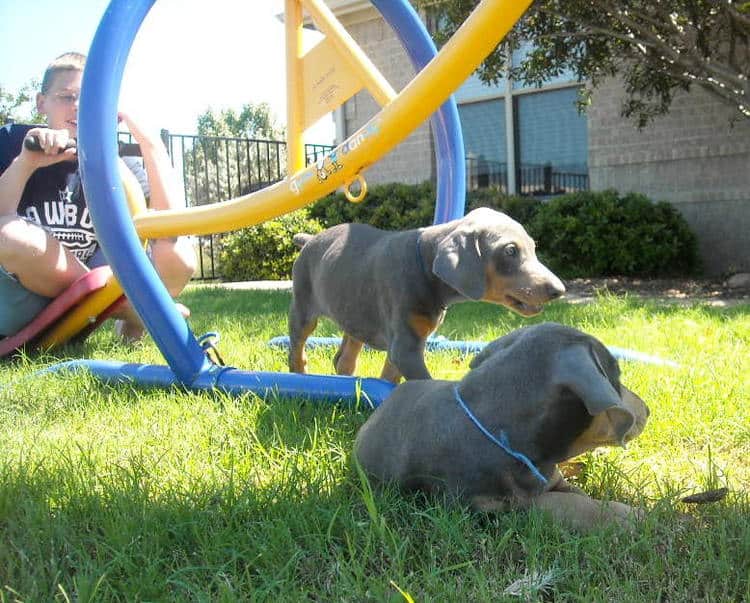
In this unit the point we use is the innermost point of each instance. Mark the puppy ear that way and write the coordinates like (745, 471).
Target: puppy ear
(458, 263)
(580, 369)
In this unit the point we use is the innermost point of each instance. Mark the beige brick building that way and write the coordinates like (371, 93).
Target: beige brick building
(693, 157)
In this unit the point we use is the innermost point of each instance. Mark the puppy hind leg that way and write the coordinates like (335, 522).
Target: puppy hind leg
(300, 328)
(345, 360)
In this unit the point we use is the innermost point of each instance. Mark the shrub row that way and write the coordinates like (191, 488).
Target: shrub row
(266, 251)
(585, 234)
(605, 234)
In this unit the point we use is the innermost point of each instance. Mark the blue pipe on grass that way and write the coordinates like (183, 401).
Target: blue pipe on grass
(440, 343)
(318, 388)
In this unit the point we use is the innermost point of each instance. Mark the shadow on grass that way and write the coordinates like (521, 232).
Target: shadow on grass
(287, 519)
(121, 535)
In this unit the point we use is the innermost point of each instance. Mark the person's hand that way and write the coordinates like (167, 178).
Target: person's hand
(144, 137)
(53, 145)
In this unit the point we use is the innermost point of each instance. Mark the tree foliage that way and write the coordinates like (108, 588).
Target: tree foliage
(235, 153)
(251, 121)
(658, 47)
(18, 105)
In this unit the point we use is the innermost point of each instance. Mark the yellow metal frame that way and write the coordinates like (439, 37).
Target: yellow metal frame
(350, 52)
(482, 31)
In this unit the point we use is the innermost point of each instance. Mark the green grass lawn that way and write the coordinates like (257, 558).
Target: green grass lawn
(121, 494)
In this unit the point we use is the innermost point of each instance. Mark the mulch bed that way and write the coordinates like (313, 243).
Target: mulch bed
(668, 289)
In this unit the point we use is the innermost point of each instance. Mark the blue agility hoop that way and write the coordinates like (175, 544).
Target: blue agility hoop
(97, 149)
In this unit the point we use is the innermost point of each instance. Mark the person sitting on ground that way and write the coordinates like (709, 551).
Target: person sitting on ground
(47, 237)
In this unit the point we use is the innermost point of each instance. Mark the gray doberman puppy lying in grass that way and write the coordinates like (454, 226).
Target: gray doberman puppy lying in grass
(390, 290)
(533, 398)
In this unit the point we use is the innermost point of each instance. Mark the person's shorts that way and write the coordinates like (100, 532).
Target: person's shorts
(18, 305)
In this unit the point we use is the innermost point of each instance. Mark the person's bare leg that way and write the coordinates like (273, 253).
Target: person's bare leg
(174, 260)
(39, 261)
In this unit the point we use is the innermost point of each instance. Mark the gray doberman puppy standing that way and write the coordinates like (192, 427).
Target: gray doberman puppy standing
(390, 290)
(533, 398)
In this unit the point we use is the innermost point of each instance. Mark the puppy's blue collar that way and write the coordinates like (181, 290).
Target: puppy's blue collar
(501, 442)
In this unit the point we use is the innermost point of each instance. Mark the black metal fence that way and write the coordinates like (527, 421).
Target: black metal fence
(219, 168)
(536, 180)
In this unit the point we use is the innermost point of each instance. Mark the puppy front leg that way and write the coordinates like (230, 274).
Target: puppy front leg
(390, 372)
(560, 484)
(584, 514)
(406, 353)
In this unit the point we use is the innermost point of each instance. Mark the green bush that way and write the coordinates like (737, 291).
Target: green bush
(603, 234)
(404, 206)
(265, 251)
(580, 234)
(387, 206)
(521, 209)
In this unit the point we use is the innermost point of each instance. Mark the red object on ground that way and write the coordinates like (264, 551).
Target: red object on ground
(59, 307)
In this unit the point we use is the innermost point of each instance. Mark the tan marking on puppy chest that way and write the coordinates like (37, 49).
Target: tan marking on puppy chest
(599, 433)
(422, 325)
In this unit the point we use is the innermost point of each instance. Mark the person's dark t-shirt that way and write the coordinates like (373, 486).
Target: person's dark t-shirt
(53, 196)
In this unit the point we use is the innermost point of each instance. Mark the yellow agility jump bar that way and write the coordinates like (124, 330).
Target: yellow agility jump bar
(483, 30)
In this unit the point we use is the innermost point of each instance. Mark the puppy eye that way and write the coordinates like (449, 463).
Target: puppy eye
(511, 250)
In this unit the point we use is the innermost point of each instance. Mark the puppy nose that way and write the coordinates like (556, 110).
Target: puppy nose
(555, 290)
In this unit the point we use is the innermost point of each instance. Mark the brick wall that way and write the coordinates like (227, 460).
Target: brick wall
(693, 157)
(412, 161)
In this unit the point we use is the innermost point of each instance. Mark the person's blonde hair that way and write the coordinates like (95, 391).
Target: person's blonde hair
(70, 61)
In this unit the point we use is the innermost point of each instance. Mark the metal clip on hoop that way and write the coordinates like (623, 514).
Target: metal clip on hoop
(362, 190)
(208, 342)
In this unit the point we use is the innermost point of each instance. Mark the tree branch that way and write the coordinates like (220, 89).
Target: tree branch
(688, 60)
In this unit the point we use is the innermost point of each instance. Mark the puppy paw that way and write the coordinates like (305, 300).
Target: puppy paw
(621, 514)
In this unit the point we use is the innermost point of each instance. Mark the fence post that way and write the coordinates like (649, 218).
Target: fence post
(472, 172)
(164, 133)
(548, 179)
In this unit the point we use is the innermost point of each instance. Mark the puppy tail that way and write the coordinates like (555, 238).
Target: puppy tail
(301, 239)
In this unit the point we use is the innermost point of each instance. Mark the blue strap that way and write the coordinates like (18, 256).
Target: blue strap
(501, 442)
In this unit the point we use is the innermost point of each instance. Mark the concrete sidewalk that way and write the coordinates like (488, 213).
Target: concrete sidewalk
(250, 285)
